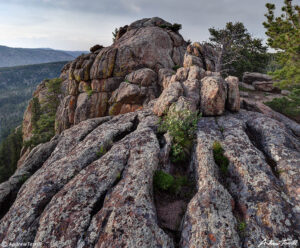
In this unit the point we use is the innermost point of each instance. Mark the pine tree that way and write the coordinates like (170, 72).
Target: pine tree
(284, 36)
(237, 50)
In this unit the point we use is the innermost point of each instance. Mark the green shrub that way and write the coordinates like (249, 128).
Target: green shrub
(88, 90)
(102, 151)
(118, 178)
(242, 228)
(182, 126)
(23, 179)
(115, 33)
(166, 182)
(164, 26)
(289, 106)
(176, 67)
(162, 180)
(219, 157)
(175, 27)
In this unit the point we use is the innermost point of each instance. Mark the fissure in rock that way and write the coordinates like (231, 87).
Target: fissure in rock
(171, 201)
(257, 144)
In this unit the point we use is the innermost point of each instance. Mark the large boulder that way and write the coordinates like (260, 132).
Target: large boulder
(233, 94)
(126, 94)
(143, 77)
(213, 96)
(164, 77)
(250, 77)
(168, 96)
(267, 86)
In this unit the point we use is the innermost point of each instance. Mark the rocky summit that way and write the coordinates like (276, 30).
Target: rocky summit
(94, 184)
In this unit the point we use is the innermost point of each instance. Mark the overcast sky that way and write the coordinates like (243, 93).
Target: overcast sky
(79, 24)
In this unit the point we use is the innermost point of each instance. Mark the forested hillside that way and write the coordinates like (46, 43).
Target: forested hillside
(16, 87)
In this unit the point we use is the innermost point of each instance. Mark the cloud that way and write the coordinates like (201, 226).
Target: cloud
(94, 20)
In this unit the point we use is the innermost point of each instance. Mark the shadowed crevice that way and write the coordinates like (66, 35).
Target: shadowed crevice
(171, 204)
(255, 142)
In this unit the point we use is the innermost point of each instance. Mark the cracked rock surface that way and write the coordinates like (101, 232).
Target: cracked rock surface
(95, 187)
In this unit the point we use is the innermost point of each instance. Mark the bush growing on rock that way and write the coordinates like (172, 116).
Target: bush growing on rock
(167, 182)
(162, 180)
(96, 48)
(289, 105)
(175, 27)
(181, 125)
(101, 151)
(219, 157)
(176, 67)
(88, 89)
(115, 34)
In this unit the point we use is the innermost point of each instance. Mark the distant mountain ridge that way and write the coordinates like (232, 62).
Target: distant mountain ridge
(74, 54)
(28, 56)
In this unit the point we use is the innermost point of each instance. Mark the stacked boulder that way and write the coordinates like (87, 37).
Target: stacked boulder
(202, 55)
(195, 89)
(259, 81)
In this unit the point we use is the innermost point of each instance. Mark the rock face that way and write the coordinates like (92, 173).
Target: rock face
(251, 194)
(262, 108)
(81, 186)
(127, 75)
(140, 50)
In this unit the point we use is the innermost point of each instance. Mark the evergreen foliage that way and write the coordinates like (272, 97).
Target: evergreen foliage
(174, 27)
(10, 150)
(237, 51)
(43, 117)
(167, 182)
(182, 126)
(289, 106)
(284, 36)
